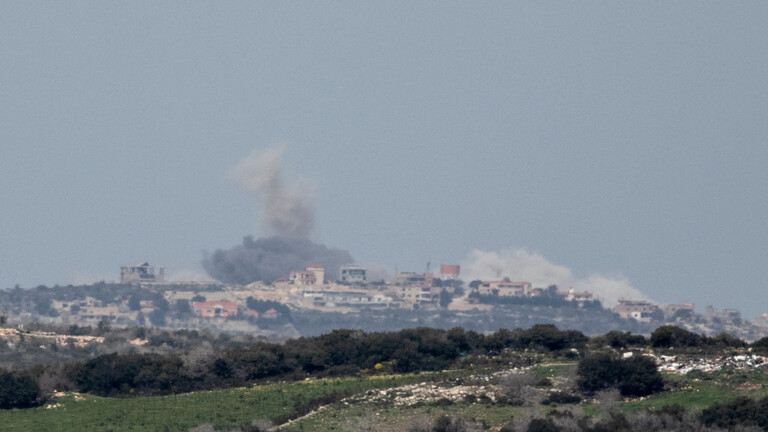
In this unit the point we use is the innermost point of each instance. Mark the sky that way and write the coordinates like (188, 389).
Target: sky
(615, 140)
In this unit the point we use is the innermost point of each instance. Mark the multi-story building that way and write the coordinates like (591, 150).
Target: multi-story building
(352, 273)
(141, 273)
(640, 310)
(313, 275)
(504, 288)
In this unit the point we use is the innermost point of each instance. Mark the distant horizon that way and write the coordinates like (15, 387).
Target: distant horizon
(615, 146)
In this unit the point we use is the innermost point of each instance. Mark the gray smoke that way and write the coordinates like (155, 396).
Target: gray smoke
(287, 209)
(270, 258)
(288, 212)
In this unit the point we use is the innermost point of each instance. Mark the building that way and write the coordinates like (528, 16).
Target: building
(141, 273)
(313, 275)
(725, 316)
(420, 295)
(504, 288)
(411, 278)
(346, 298)
(640, 310)
(687, 308)
(108, 313)
(214, 309)
(579, 297)
(352, 273)
(449, 271)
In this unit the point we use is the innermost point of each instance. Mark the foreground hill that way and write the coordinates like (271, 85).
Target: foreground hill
(407, 380)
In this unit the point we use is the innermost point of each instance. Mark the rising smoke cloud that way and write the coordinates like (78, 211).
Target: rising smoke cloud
(520, 264)
(288, 215)
(268, 259)
(287, 210)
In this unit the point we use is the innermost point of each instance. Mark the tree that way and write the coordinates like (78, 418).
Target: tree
(635, 376)
(445, 298)
(157, 317)
(183, 308)
(103, 328)
(671, 336)
(597, 372)
(134, 302)
(640, 377)
(17, 391)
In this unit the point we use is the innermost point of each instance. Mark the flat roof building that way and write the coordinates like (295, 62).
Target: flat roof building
(352, 273)
(141, 273)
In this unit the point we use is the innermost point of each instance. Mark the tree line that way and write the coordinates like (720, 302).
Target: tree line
(350, 352)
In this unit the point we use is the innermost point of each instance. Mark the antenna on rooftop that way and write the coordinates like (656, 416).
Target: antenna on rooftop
(429, 262)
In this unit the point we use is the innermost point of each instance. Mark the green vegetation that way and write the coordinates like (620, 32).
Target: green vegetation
(223, 409)
(538, 379)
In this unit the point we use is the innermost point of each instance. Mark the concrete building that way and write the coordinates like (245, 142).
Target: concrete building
(420, 295)
(352, 273)
(726, 316)
(640, 310)
(576, 296)
(411, 278)
(346, 298)
(313, 275)
(504, 288)
(671, 310)
(141, 273)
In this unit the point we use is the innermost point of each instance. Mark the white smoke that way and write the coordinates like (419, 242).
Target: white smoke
(377, 272)
(287, 209)
(522, 265)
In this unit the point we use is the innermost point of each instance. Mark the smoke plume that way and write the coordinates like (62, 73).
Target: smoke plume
(288, 213)
(270, 258)
(287, 209)
(521, 265)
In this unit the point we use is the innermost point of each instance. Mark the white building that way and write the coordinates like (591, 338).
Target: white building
(352, 273)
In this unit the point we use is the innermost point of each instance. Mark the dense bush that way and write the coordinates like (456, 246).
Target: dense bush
(740, 412)
(617, 339)
(17, 391)
(112, 375)
(671, 336)
(635, 376)
(561, 398)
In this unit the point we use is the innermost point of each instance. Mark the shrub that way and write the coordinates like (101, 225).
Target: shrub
(561, 398)
(17, 391)
(739, 412)
(671, 336)
(635, 376)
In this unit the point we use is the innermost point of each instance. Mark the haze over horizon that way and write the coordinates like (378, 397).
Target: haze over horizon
(616, 145)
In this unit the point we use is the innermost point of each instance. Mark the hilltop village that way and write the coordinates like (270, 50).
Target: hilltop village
(312, 300)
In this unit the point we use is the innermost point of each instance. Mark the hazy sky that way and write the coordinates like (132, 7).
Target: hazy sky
(616, 138)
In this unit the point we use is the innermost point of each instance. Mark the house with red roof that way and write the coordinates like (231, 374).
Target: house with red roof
(214, 309)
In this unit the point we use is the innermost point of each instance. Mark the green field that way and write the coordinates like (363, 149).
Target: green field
(224, 409)
(238, 408)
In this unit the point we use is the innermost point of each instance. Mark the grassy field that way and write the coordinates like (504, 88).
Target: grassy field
(224, 409)
(689, 392)
(236, 408)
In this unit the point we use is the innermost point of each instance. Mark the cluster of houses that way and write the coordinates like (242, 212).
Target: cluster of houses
(409, 290)
(351, 290)
(91, 310)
